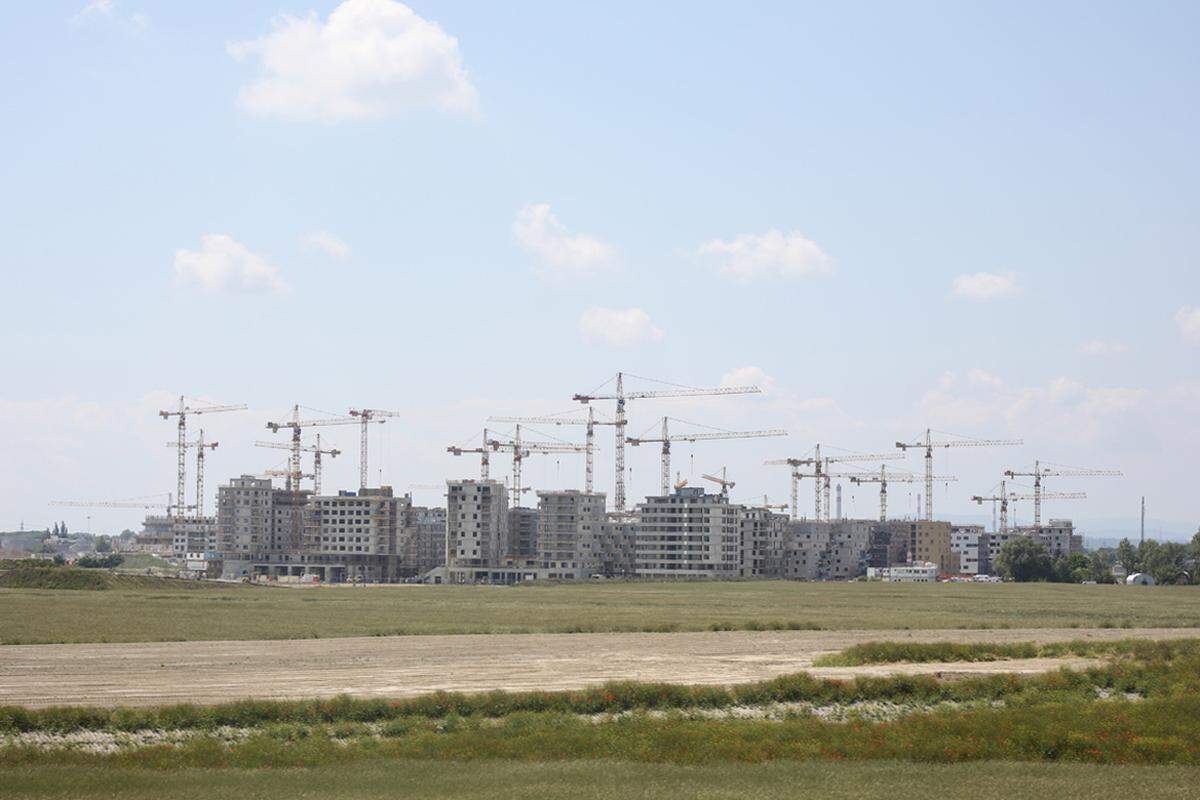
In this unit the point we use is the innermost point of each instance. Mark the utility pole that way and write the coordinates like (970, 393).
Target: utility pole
(1143, 538)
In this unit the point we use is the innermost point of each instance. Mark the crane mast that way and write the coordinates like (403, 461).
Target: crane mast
(521, 449)
(666, 438)
(181, 444)
(484, 461)
(884, 478)
(1040, 472)
(621, 397)
(366, 417)
(590, 447)
(928, 444)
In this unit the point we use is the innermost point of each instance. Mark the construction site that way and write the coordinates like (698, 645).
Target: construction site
(282, 525)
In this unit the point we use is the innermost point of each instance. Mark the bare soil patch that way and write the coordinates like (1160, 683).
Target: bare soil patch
(211, 672)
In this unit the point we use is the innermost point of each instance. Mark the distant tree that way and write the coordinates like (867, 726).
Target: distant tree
(1073, 568)
(1167, 562)
(1100, 568)
(100, 562)
(103, 544)
(1022, 559)
(59, 560)
(1127, 556)
(63, 528)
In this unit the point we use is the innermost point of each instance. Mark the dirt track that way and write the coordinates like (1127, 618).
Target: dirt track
(211, 672)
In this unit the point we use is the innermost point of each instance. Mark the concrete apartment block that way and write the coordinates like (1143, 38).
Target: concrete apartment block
(476, 522)
(569, 533)
(688, 534)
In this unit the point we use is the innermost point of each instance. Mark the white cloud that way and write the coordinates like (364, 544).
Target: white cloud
(772, 254)
(986, 285)
(328, 244)
(540, 233)
(107, 9)
(1188, 320)
(370, 58)
(1062, 410)
(747, 376)
(96, 8)
(1101, 347)
(618, 327)
(224, 264)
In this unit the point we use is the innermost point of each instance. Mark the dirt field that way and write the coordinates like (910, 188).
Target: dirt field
(210, 672)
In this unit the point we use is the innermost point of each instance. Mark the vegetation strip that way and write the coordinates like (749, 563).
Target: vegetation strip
(927, 652)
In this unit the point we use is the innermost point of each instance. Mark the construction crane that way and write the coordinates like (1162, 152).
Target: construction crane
(1002, 499)
(622, 397)
(366, 416)
(929, 444)
(520, 450)
(182, 412)
(591, 422)
(1039, 472)
(666, 438)
(201, 446)
(317, 452)
(884, 477)
(766, 504)
(724, 481)
(147, 504)
(296, 424)
(820, 467)
(484, 461)
(1037, 497)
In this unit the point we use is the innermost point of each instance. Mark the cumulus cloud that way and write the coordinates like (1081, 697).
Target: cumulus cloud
(370, 58)
(986, 286)
(1188, 320)
(328, 244)
(223, 264)
(1061, 410)
(107, 9)
(618, 327)
(773, 254)
(1101, 347)
(540, 234)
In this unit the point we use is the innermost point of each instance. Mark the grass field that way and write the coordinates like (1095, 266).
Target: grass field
(612, 781)
(157, 611)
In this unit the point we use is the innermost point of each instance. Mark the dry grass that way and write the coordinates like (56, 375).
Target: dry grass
(229, 612)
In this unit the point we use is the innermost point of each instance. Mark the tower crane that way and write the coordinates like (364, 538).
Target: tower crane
(929, 444)
(768, 505)
(1040, 472)
(666, 438)
(1037, 497)
(521, 449)
(622, 397)
(591, 422)
(317, 452)
(1002, 499)
(366, 416)
(295, 424)
(726, 484)
(146, 503)
(200, 446)
(820, 468)
(484, 461)
(182, 412)
(884, 477)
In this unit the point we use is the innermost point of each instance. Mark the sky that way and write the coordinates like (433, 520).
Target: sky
(978, 218)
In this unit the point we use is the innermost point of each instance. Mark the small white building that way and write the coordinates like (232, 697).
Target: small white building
(1139, 579)
(920, 572)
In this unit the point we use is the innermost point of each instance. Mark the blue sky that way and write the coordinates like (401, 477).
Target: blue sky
(697, 192)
